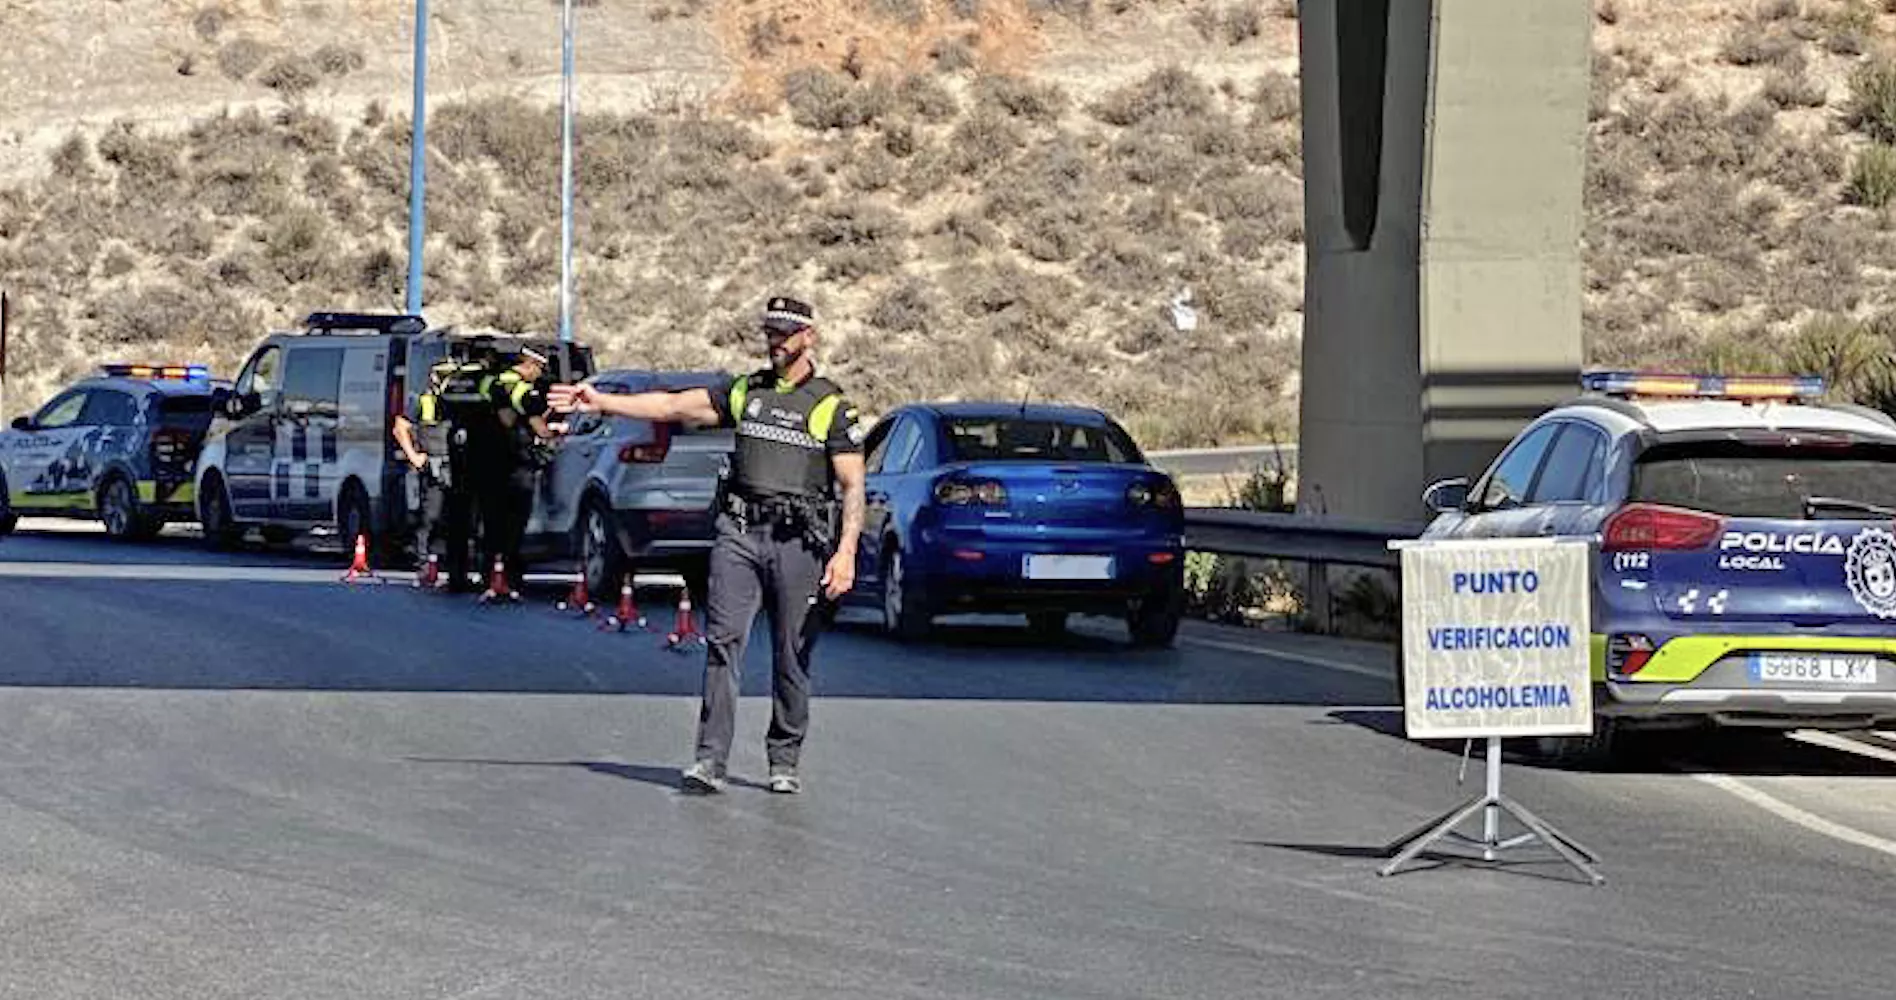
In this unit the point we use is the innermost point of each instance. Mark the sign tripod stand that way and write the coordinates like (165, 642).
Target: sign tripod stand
(1492, 805)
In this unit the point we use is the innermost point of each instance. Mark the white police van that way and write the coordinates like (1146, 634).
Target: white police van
(303, 443)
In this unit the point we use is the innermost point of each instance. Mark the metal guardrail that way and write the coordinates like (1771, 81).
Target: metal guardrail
(1318, 542)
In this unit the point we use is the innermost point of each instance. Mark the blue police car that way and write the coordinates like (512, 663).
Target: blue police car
(1745, 534)
(119, 447)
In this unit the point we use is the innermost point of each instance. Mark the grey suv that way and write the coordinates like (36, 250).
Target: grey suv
(624, 493)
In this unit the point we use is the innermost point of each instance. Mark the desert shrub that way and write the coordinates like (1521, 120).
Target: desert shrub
(1787, 89)
(907, 307)
(1872, 106)
(209, 21)
(521, 139)
(983, 141)
(1020, 97)
(242, 57)
(294, 244)
(1167, 91)
(339, 60)
(819, 99)
(1873, 176)
(1750, 44)
(1278, 97)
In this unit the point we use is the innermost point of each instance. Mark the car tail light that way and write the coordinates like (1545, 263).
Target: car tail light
(655, 451)
(1627, 654)
(962, 492)
(1160, 494)
(1648, 526)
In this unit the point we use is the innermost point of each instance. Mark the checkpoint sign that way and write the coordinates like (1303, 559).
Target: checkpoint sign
(1495, 638)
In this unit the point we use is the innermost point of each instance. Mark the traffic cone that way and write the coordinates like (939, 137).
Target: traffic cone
(430, 576)
(685, 633)
(579, 600)
(628, 615)
(497, 588)
(359, 566)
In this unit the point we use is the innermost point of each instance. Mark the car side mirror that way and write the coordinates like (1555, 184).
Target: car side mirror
(22, 423)
(1446, 496)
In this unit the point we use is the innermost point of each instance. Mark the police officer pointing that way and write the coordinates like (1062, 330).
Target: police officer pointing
(799, 444)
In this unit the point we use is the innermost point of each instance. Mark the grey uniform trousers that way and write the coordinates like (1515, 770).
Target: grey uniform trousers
(767, 567)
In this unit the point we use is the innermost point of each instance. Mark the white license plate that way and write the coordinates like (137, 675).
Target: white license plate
(1812, 668)
(1043, 567)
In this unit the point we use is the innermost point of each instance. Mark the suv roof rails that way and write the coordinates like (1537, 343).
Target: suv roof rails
(364, 323)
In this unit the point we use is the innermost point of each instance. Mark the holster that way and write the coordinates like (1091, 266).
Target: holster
(786, 517)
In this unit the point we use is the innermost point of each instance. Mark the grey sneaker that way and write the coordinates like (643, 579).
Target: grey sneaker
(784, 781)
(704, 776)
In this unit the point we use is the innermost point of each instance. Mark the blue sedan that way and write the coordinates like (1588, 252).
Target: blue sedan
(1000, 508)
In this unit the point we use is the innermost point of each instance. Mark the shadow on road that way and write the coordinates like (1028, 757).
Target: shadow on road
(1759, 753)
(82, 612)
(663, 777)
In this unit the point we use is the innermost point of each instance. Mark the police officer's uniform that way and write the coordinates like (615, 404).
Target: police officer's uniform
(509, 470)
(442, 415)
(776, 531)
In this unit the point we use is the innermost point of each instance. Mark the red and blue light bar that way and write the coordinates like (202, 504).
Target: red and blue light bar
(191, 373)
(1704, 386)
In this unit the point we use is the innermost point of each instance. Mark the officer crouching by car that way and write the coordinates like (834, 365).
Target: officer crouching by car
(798, 441)
(433, 436)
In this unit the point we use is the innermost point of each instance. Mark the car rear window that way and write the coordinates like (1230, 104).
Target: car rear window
(185, 411)
(1746, 479)
(1004, 439)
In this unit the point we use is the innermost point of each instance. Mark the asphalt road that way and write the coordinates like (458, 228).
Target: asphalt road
(230, 776)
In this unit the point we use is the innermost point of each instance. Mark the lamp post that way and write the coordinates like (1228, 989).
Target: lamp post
(418, 160)
(566, 172)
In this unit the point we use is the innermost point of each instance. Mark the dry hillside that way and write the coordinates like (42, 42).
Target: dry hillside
(984, 197)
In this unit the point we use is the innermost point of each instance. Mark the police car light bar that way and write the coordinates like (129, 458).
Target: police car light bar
(365, 322)
(191, 373)
(1704, 386)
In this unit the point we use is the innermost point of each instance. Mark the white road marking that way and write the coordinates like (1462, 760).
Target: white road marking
(1279, 654)
(1784, 810)
(1832, 741)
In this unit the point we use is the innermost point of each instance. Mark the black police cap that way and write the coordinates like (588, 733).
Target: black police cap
(787, 314)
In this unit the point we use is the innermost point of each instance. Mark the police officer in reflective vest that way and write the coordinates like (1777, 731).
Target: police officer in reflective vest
(433, 437)
(799, 450)
(508, 467)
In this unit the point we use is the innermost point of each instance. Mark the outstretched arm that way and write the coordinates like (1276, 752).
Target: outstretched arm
(691, 406)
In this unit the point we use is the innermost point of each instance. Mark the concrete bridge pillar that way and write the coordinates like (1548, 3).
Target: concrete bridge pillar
(1444, 159)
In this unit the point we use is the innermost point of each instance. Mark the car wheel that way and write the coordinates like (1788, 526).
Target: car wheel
(220, 529)
(118, 511)
(8, 519)
(903, 614)
(600, 557)
(1048, 623)
(1154, 621)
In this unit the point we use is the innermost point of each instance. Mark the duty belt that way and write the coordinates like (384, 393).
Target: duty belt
(790, 515)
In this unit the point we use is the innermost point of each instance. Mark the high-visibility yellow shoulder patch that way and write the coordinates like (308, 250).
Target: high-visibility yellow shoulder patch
(823, 416)
(739, 390)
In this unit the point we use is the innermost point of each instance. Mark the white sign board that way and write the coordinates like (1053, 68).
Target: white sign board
(1495, 638)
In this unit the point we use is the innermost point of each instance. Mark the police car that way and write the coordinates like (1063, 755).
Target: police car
(303, 442)
(118, 447)
(1746, 555)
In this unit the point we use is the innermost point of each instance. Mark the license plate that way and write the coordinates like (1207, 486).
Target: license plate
(1043, 567)
(1810, 668)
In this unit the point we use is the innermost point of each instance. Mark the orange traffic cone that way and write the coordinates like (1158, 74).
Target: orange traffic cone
(430, 575)
(497, 588)
(359, 566)
(579, 600)
(628, 615)
(685, 632)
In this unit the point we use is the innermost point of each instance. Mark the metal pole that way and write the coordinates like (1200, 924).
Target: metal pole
(417, 160)
(1491, 820)
(566, 172)
(4, 302)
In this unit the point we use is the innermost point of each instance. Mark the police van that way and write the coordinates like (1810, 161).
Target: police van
(1745, 547)
(303, 444)
(118, 447)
